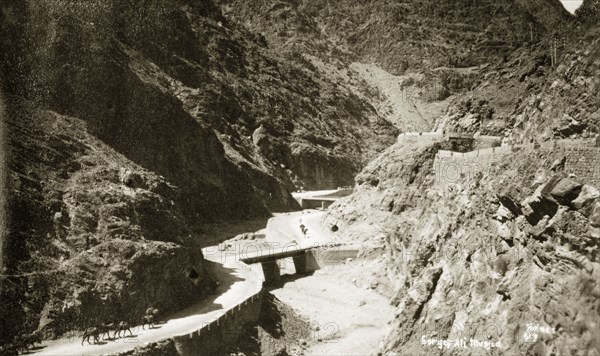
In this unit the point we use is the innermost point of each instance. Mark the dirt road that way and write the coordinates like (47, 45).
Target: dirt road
(236, 284)
(351, 319)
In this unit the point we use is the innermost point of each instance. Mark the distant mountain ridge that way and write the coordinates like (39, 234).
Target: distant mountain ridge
(401, 35)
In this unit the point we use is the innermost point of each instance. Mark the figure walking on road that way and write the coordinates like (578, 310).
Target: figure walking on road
(303, 228)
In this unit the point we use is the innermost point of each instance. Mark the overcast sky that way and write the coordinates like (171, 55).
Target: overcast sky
(571, 5)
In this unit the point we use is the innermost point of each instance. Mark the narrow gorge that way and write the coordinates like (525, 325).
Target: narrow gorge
(169, 161)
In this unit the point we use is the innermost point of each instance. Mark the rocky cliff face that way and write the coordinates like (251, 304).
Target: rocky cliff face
(185, 62)
(540, 92)
(415, 34)
(588, 12)
(432, 53)
(505, 254)
(92, 236)
(130, 124)
(566, 105)
(498, 256)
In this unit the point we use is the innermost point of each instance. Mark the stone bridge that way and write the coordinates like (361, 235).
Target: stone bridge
(306, 260)
(322, 201)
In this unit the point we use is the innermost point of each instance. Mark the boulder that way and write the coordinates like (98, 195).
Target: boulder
(536, 206)
(503, 214)
(566, 190)
(549, 186)
(132, 179)
(586, 196)
(540, 227)
(558, 164)
(569, 126)
(510, 204)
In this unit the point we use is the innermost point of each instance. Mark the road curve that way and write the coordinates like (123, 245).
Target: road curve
(236, 283)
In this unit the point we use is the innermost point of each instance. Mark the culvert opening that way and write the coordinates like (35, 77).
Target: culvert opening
(193, 274)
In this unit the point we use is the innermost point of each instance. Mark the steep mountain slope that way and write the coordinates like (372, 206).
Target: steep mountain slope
(228, 81)
(588, 12)
(472, 258)
(494, 254)
(542, 92)
(398, 35)
(131, 124)
(93, 237)
(431, 52)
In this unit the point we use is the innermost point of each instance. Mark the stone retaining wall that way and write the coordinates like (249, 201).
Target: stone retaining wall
(210, 338)
(582, 160)
(584, 163)
(480, 141)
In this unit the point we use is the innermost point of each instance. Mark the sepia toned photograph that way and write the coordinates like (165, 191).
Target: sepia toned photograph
(300, 177)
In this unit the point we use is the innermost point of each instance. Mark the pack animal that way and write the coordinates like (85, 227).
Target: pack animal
(124, 327)
(92, 333)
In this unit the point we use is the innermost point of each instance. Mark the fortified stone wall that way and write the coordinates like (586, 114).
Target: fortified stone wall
(480, 141)
(581, 159)
(584, 163)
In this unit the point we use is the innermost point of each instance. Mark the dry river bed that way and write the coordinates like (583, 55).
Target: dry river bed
(347, 318)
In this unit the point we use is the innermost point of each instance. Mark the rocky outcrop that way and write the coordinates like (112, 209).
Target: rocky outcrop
(589, 12)
(566, 190)
(504, 260)
(543, 91)
(432, 33)
(587, 196)
(93, 237)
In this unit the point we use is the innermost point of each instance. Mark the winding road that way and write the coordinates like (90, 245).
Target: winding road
(237, 282)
